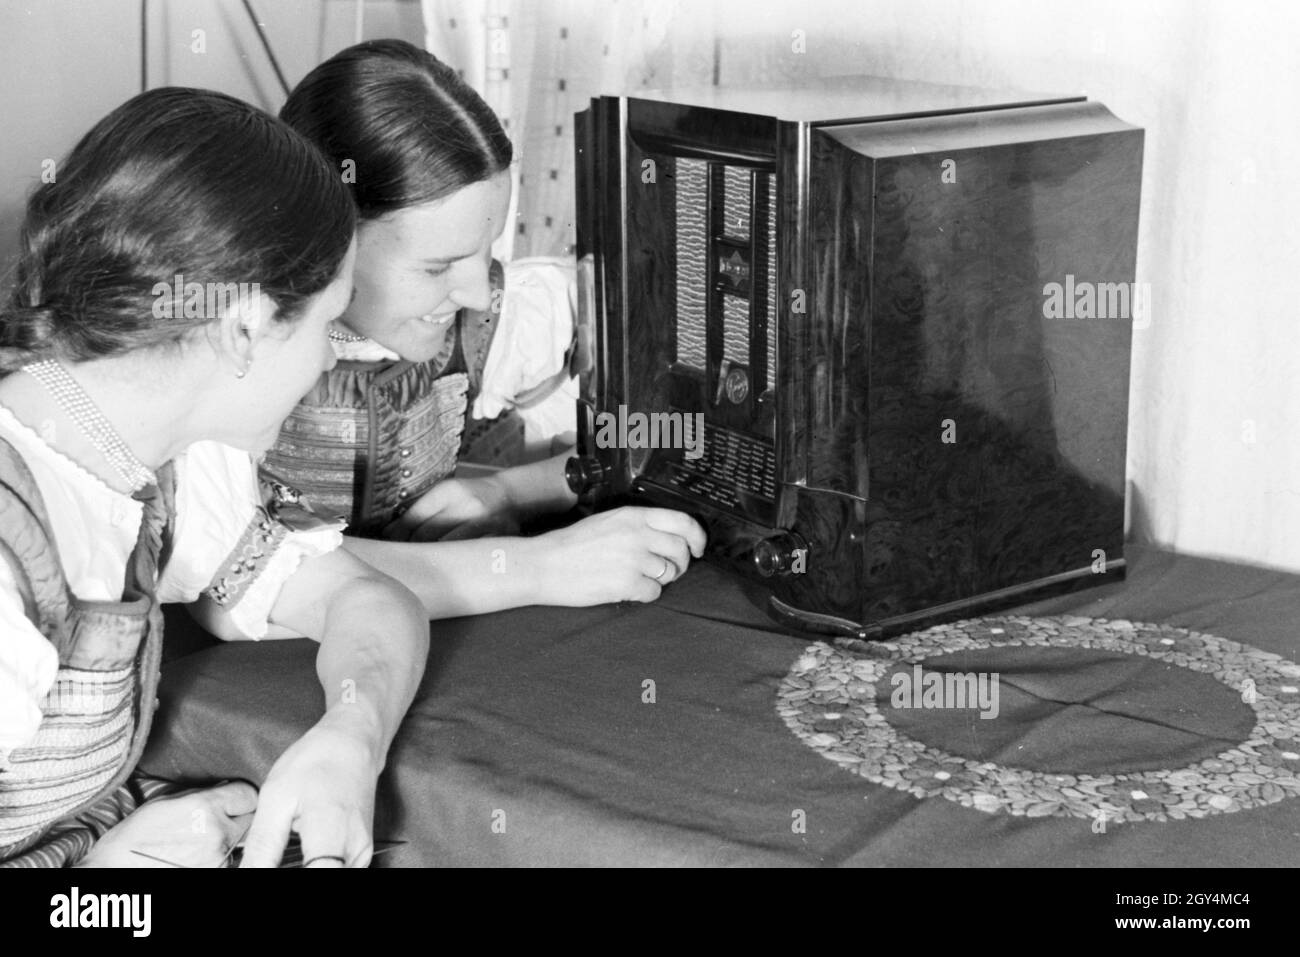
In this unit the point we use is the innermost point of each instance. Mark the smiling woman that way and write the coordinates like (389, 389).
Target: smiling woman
(375, 442)
(426, 162)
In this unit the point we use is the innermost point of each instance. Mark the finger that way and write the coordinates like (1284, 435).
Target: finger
(233, 805)
(362, 857)
(324, 832)
(660, 569)
(361, 845)
(430, 530)
(481, 528)
(670, 548)
(645, 589)
(269, 832)
(680, 524)
(233, 799)
(437, 502)
(228, 807)
(440, 529)
(464, 531)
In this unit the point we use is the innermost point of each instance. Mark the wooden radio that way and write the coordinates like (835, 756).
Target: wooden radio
(874, 335)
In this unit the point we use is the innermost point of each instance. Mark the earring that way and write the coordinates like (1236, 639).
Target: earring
(243, 372)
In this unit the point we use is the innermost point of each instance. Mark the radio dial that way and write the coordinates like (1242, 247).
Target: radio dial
(776, 555)
(584, 473)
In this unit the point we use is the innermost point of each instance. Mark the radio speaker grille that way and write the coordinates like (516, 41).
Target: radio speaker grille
(692, 261)
(736, 203)
(695, 263)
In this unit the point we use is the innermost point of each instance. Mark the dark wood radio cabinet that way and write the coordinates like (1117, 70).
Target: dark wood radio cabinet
(874, 335)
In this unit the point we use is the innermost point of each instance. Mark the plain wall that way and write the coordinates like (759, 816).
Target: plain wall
(64, 64)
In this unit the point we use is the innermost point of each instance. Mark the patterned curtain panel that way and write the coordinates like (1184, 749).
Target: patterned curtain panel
(536, 64)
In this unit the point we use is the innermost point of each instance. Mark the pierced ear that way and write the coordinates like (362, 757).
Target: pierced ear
(243, 324)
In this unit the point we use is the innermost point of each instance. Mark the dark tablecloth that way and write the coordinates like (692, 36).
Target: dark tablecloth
(532, 741)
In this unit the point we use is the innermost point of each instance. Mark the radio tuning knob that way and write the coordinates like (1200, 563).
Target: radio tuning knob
(583, 473)
(776, 555)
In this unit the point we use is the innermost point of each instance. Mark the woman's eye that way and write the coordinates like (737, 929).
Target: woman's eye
(437, 270)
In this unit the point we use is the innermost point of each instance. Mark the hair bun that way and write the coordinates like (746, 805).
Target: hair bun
(30, 328)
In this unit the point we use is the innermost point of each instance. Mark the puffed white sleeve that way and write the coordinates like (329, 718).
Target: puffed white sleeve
(228, 544)
(28, 665)
(528, 359)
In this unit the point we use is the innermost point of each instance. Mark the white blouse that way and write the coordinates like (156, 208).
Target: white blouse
(532, 339)
(96, 527)
(527, 364)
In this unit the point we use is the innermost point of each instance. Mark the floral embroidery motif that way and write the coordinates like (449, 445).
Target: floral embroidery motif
(828, 699)
(261, 538)
(286, 511)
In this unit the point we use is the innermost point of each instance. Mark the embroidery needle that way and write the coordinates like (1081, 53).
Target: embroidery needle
(161, 860)
(293, 854)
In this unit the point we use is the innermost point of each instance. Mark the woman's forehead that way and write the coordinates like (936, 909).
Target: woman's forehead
(453, 227)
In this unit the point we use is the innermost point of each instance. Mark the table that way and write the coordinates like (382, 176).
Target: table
(535, 739)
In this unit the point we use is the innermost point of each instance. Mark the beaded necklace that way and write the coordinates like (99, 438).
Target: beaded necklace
(79, 407)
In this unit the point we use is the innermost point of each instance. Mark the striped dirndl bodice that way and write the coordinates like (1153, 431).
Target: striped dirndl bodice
(372, 437)
(96, 714)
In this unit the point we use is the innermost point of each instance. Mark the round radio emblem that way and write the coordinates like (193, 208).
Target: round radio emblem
(736, 385)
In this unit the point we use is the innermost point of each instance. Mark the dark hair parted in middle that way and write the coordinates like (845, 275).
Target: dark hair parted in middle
(175, 182)
(415, 131)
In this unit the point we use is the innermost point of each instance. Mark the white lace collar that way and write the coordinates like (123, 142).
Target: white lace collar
(362, 350)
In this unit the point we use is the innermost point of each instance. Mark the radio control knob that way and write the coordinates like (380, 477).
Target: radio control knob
(777, 555)
(584, 473)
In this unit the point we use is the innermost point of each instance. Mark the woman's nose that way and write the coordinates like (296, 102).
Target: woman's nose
(473, 289)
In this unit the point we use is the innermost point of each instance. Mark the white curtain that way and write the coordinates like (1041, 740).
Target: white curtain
(1213, 461)
(537, 63)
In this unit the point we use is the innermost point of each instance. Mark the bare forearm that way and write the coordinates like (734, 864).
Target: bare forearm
(627, 554)
(373, 651)
(470, 577)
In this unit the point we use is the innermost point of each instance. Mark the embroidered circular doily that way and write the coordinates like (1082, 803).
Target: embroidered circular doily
(829, 700)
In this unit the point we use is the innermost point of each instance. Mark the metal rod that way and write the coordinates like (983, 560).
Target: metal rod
(266, 45)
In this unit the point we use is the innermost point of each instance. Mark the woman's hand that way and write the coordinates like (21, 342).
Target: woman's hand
(628, 554)
(454, 509)
(194, 829)
(323, 787)
(374, 641)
